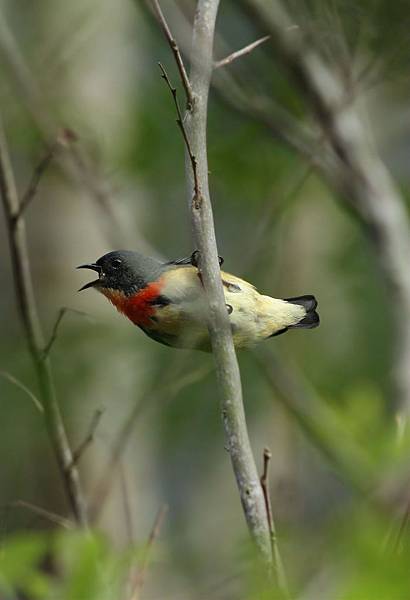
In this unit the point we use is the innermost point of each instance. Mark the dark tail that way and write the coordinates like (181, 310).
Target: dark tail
(311, 319)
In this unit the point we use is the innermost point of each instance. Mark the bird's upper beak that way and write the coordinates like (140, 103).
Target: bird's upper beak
(93, 267)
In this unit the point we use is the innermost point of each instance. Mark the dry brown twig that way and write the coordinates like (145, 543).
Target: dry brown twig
(138, 580)
(180, 123)
(177, 55)
(33, 332)
(278, 563)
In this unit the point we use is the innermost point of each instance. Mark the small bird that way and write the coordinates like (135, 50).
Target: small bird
(167, 301)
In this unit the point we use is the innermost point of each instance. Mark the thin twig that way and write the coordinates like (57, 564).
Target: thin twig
(267, 455)
(126, 504)
(397, 547)
(178, 58)
(89, 438)
(34, 336)
(25, 389)
(180, 122)
(242, 52)
(42, 512)
(54, 332)
(278, 563)
(65, 137)
(153, 536)
(172, 388)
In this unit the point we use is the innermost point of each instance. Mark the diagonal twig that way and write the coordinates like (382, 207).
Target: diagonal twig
(89, 438)
(54, 332)
(42, 512)
(172, 387)
(180, 122)
(175, 49)
(23, 387)
(239, 53)
(139, 578)
(65, 136)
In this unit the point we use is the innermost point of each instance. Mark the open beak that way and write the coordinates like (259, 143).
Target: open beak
(93, 267)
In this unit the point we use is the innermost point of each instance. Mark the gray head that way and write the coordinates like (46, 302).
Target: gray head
(124, 270)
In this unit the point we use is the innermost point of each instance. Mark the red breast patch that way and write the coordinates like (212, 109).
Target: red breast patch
(138, 308)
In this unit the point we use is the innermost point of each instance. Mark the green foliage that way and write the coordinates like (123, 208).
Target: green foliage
(65, 565)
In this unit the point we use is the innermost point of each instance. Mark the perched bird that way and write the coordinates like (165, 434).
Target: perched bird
(167, 301)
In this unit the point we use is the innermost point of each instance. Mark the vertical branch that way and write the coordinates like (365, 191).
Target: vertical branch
(34, 335)
(236, 434)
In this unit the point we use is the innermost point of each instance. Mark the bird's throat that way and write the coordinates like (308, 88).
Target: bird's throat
(137, 307)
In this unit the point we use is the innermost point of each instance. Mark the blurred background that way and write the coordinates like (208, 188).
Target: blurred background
(321, 400)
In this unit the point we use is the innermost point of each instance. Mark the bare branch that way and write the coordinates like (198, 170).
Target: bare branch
(278, 563)
(180, 122)
(42, 512)
(34, 335)
(89, 438)
(239, 53)
(65, 137)
(175, 50)
(236, 435)
(25, 389)
(139, 579)
(62, 312)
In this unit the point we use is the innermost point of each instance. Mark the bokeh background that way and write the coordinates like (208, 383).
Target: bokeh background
(321, 400)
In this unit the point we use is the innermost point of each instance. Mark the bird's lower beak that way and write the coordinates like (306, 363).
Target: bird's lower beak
(93, 267)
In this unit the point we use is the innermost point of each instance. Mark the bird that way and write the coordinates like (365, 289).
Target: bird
(167, 301)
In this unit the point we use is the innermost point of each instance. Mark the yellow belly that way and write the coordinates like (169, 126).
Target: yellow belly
(253, 317)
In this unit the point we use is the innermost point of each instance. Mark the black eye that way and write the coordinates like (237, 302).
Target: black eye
(116, 263)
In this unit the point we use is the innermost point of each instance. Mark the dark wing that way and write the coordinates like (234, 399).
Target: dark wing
(190, 260)
(180, 261)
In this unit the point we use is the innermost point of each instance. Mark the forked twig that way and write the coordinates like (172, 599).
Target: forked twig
(34, 335)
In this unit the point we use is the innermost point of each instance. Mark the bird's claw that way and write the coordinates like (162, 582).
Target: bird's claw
(195, 259)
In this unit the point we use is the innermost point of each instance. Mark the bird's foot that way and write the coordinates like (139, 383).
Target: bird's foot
(195, 259)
